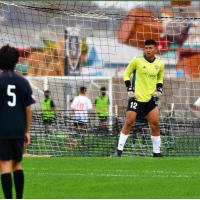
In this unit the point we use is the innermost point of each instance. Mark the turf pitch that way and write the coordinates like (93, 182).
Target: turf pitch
(111, 177)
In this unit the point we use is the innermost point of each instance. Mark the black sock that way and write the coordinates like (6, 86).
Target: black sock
(19, 183)
(6, 182)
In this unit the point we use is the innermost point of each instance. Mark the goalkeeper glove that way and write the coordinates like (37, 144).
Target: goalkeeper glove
(131, 93)
(156, 95)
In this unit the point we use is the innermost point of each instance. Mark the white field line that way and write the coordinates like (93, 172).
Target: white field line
(112, 173)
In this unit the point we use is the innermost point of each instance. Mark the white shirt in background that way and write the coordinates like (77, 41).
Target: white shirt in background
(81, 105)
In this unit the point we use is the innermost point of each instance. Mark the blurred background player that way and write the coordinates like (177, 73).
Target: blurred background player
(81, 105)
(48, 110)
(15, 118)
(102, 108)
(147, 89)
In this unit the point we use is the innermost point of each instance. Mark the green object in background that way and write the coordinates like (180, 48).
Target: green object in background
(102, 104)
(173, 46)
(193, 46)
(49, 43)
(185, 46)
(22, 67)
(170, 54)
(84, 46)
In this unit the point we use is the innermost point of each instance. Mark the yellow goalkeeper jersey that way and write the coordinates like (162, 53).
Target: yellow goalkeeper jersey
(147, 75)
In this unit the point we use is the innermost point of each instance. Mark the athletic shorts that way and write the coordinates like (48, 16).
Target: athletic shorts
(11, 149)
(141, 107)
(48, 121)
(103, 118)
(80, 124)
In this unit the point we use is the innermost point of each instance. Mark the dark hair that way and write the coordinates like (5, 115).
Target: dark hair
(83, 89)
(46, 91)
(150, 42)
(103, 89)
(8, 57)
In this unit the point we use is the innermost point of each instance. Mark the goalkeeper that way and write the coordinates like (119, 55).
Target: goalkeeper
(148, 72)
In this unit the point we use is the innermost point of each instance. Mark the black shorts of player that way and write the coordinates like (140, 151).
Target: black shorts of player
(11, 149)
(103, 118)
(80, 124)
(144, 107)
(48, 121)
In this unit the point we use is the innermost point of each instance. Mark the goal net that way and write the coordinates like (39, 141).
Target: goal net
(65, 45)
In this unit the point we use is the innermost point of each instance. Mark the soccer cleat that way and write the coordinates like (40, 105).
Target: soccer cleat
(119, 153)
(157, 155)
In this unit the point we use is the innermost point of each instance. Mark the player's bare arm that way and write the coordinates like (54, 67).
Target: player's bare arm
(28, 124)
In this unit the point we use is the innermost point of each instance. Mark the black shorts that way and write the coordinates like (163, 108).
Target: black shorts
(11, 149)
(48, 121)
(80, 124)
(103, 118)
(141, 107)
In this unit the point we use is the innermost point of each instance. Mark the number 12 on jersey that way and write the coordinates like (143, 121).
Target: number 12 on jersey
(133, 105)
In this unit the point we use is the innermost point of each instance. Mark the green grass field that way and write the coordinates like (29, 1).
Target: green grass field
(111, 177)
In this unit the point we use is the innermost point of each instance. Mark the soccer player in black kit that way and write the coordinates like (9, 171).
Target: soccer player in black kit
(15, 117)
